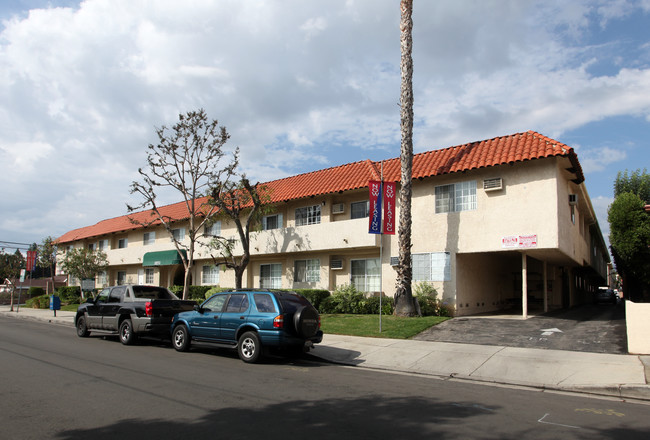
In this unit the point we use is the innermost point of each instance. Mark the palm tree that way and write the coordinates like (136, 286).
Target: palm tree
(404, 302)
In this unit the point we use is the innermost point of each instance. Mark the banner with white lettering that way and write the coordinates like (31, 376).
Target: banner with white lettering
(389, 207)
(374, 226)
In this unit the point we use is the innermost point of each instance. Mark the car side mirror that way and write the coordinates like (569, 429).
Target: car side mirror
(197, 308)
(90, 300)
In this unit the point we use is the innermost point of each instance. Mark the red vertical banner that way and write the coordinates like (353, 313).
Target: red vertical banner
(374, 226)
(31, 260)
(389, 207)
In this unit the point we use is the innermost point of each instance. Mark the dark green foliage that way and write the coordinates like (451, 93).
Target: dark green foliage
(39, 302)
(315, 296)
(195, 293)
(35, 291)
(69, 294)
(638, 182)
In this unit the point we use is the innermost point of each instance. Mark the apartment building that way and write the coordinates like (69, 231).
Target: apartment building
(491, 220)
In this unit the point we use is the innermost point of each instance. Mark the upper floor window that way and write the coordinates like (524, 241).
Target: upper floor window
(179, 234)
(122, 243)
(309, 215)
(359, 209)
(92, 246)
(102, 245)
(272, 222)
(456, 197)
(213, 230)
(149, 238)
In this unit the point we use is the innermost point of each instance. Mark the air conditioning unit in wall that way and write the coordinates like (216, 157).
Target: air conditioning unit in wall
(494, 184)
(336, 264)
(338, 208)
(573, 199)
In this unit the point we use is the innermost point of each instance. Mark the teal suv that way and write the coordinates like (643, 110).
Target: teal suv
(250, 321)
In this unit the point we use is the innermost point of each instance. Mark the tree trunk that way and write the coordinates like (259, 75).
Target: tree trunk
(404, 301)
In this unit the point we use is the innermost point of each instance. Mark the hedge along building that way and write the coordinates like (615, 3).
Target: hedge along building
(496, 223)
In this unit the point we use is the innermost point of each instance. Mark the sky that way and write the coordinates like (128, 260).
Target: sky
(300, 86)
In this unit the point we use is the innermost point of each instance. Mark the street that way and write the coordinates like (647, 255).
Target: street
(56, 385)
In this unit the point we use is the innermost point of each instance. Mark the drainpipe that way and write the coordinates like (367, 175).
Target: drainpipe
(524, 286)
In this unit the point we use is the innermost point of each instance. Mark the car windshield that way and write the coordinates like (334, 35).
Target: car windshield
(152, 292)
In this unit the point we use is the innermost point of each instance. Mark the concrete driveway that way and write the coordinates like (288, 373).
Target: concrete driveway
(596, 328)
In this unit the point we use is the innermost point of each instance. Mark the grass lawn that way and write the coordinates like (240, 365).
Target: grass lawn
(368, 325)
(70, 308)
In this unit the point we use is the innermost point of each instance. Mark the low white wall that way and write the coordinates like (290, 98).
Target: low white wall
(638, 327)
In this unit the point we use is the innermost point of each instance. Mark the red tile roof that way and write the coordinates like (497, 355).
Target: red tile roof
(510, 149)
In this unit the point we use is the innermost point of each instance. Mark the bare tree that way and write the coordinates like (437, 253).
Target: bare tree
(244, 204)
(404, 301)
(186, 159)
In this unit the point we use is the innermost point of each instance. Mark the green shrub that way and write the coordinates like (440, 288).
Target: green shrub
(427, 297)
(215, 289)
(39, 302)
(35, 291)
(371, 306)
(315, 296)
(69, 294)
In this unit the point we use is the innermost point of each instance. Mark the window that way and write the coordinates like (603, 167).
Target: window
(359, 209)
(272, 222)
(309, 215)
(92, 246)
(307, 271)
(102, 279)
(210, 275)
(237, 303)
(178, 234)
(456, 197)
(271, 276)
(122, 243)
(264, 303)
(213, 230)
(148, 276)
(215, 304)
(149, 238)
(102, 245)
(121, 277)
(434, 266)
(366, 274)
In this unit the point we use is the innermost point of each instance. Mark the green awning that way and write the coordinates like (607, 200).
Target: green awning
(163, 258)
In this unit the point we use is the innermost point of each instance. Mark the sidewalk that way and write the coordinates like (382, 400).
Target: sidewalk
(621, 376)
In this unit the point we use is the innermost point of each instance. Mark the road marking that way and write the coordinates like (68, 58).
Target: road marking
(556, 424)
(606, 412)
(461, 405)
(550, 331)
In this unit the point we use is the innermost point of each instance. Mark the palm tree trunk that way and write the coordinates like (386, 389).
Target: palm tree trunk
(404, 303)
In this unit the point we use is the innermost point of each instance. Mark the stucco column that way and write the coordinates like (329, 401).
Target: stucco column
(524, 286)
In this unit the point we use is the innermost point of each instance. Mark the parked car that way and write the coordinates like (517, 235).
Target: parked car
(606, 296)
(250, 321)
(129, 311)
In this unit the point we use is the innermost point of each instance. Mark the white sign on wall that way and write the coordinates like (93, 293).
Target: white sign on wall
(519, 241)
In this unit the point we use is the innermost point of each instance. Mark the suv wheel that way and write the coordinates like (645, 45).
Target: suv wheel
(305, 321)
(82, 328)
(249, 347)
(181, 338)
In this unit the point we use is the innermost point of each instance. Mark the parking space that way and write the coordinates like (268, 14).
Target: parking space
(596, 328)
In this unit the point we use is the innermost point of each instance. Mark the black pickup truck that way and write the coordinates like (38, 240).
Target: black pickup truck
(129, 311)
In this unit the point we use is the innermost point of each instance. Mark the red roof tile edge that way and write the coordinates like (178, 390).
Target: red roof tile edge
(518, 147)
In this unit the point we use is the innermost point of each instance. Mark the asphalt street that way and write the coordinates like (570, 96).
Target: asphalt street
(596, 328)
(58, 386)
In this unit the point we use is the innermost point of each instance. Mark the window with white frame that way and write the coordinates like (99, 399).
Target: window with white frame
(435, 266)
(307, 271)
(308, 215)
(149, 238)
(92, 246)
(148, 276)
(365, 274)
(210, 275)
(122, 243)
(271, 222)
(102, 279)
(213, 230)
(456, 197)
(102, 245)
(359, 209)
(271, 276)
(179, 234)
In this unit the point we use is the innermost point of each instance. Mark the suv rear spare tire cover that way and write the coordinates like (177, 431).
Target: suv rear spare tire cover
(305, 321)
